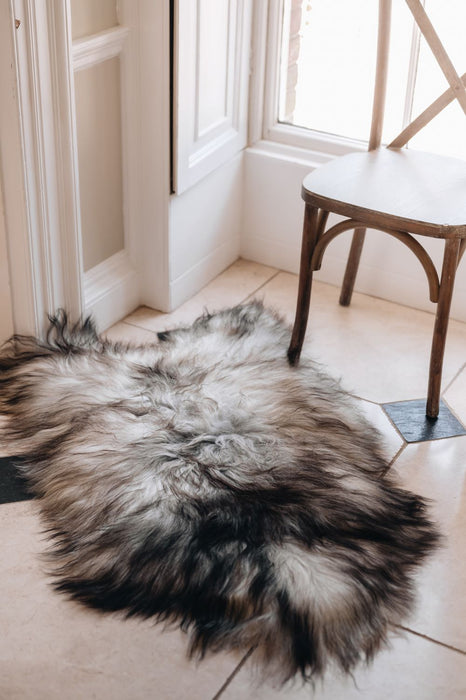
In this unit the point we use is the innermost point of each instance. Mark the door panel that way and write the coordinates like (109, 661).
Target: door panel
(98, 132)
(211, 76)
(90, 17)
(110, 280)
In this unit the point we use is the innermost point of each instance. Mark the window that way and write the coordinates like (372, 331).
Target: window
(327, 63)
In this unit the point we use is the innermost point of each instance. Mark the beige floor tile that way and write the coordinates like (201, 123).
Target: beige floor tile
(126, 333)
(379, 349)
(54, 649)
(455, 396)
(390, 436)
(231, 287)
(437, 470)
(413, 669)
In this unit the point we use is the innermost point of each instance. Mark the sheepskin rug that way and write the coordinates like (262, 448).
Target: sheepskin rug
(203, 481)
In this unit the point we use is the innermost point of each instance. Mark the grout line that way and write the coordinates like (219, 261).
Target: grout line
(398, 454)
(233, 673)
(404, 442)
(395, 426)
(141, 328)
(237, 669)
(454, 379)
(242, 301)
(361, 398)
(260, 287)
(460, 420)
(430, 639)
(391, 301)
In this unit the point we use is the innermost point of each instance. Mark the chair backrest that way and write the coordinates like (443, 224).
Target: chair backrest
(457, 89)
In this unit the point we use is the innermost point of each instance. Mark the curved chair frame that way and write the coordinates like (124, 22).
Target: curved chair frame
(318, 206)
(323, 240)
(315, 242)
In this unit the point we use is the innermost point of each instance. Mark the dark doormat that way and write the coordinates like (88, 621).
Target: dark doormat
(12, 486)
(413, 424)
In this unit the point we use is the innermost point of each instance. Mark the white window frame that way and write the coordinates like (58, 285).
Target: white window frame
(264, 93)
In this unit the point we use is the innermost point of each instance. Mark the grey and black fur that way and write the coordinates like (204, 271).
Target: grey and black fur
(204, 481)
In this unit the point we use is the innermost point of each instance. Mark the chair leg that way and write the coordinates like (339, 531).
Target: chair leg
(352, 266)
(450, 263)
(310, 234)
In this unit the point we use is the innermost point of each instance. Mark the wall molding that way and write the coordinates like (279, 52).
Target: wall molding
(40, 180)
(92, 50)
(145, 61)
(24, 286)
(190, 282)
(111, 289)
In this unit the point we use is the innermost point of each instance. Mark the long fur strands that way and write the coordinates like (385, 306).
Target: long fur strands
(203, 481)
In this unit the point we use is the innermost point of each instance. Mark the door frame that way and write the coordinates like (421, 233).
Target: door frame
(40, 172)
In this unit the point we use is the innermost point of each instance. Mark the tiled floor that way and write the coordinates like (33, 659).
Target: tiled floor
(51, 649)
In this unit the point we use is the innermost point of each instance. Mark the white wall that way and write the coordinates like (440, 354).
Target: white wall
(205, 228)
(272, 226)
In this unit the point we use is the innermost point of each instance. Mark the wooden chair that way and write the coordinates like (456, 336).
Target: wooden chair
(395, 190)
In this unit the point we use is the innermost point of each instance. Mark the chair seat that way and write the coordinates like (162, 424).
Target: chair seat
(394, 188)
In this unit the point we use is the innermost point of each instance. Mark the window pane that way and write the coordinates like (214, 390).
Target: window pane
(446, 134)
(331, 55)
(328, 64)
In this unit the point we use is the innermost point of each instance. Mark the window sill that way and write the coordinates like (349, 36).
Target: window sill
(320, 146)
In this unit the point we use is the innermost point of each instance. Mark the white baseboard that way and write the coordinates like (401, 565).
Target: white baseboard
(111, 290)
(205, 225)
(203, 272)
